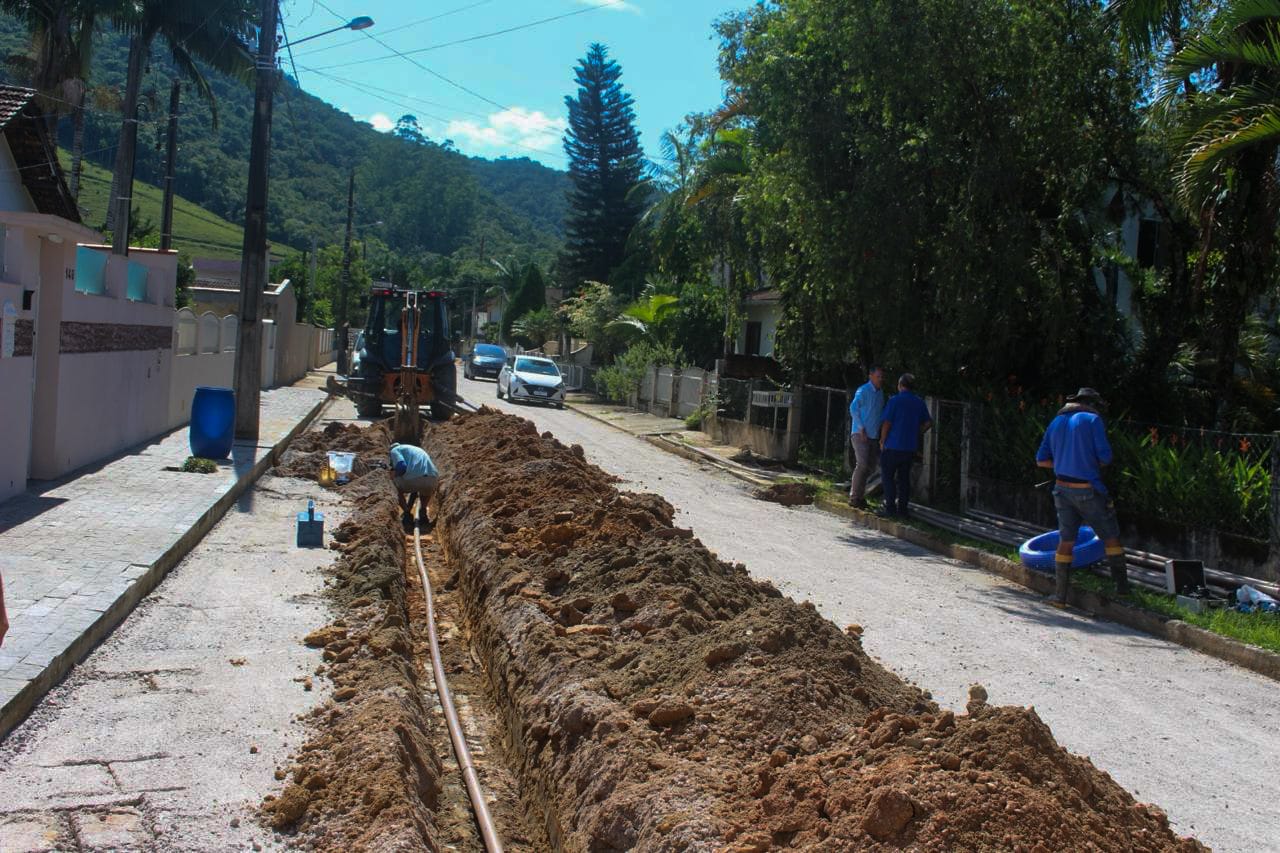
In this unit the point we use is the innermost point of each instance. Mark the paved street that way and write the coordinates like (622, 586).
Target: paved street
(169, 733)
(76, 553)
(1177, 728)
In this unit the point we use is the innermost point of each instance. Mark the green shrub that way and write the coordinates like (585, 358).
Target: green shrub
(622, 378)
(198, 465)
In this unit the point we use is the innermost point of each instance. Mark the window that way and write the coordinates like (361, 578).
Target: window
(91, 271)
(1111, 275)
(754, 329)
(1153, 244)
(533, 365)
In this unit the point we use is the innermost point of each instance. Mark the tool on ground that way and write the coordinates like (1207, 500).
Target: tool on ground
(1183, 577)
(310, 527)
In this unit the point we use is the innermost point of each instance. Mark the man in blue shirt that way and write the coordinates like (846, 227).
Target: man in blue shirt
(415, 476)
(906, 419)
(864, 417)
(1075, 447)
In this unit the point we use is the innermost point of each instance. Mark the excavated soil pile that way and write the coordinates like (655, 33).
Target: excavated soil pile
(307, 455)
(788, 494)
(366, 779)
(660, 699)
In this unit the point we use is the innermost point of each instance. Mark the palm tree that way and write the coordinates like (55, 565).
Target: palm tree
(62, 34)
(537, 327)
(648, 315)
(215, 33)
(716, 193)
(665, 189)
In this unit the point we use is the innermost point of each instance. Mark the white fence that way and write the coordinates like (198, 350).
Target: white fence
(205, 354)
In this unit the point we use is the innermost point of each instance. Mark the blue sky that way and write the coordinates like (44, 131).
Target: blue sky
(516, 81)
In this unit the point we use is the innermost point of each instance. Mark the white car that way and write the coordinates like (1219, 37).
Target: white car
(532, 379)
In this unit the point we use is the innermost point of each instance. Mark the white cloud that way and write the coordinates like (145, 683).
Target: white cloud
(510, 129)
(381, 122)
(613, 5)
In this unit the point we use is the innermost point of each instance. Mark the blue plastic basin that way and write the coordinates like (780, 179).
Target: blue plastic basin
(213, 421)
(1038, 552)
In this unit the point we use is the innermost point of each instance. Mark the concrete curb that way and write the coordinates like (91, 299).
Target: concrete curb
(1184, 634)
(17, 709)
(693, 454)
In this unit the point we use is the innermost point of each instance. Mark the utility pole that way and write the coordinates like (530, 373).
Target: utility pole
(313, 283)
(253, 262)
(122, 201)
(344, 322)
(475, 286)
(166, 216)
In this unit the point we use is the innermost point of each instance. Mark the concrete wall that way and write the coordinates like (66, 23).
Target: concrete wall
(107, 354)
(199, 360)
(16, 389)
(13, 195)
(767, 316)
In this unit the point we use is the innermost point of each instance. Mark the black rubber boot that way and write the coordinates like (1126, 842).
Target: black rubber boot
(1120, 575)
(1062, 582)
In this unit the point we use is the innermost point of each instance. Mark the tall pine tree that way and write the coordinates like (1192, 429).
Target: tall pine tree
(605, 162)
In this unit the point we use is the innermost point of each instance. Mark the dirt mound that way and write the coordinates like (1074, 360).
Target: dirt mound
(307, 455)
(662, 699)
(366, 779)
(788, 494)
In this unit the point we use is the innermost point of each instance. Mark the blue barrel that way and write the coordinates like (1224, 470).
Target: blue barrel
(213, 422)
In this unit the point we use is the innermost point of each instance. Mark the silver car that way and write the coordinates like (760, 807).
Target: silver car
(531, 379)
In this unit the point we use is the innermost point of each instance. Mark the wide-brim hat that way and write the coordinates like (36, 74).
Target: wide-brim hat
(1085, 395)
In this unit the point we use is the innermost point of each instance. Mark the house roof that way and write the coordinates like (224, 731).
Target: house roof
(762, 297)
(25, 130)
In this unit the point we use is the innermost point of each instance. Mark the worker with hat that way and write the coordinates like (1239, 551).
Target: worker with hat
(1075, 447)
(416, 477)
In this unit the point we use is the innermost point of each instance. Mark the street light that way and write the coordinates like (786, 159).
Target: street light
(361, 23)
(253, 267)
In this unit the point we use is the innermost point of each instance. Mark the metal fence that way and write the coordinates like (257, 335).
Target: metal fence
(824, 429)
(1167, 480)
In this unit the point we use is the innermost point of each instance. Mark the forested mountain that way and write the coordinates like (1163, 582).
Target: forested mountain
(432, 200)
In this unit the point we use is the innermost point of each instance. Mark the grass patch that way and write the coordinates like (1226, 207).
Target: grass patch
(196, 231)
(1256, 629)
(198, 465)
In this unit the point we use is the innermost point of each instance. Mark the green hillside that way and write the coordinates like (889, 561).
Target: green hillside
(196, 231)
(436, 204)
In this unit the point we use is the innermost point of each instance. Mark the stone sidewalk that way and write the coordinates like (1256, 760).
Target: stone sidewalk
(78, 554)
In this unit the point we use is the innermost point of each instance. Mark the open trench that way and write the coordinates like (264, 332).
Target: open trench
(481, 720)
(624, 689)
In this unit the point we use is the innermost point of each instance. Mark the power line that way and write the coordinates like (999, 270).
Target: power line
(370, 87)
(322, 48)
(474, 38)
(418, 64)
(365, 87)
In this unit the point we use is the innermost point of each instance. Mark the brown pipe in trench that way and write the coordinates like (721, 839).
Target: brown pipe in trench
(483, 819)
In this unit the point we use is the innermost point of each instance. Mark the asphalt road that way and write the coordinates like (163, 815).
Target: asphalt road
(1192, 734)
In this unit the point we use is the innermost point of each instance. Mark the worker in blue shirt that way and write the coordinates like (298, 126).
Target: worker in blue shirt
(1075, 447)
(906, 419)
(865, 413)
(416, 477)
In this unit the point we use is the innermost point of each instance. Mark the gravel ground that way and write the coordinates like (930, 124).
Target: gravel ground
(1177, 728)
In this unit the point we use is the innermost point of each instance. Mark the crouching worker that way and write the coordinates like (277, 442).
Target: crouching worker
(1075, 446)
(415, 476)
